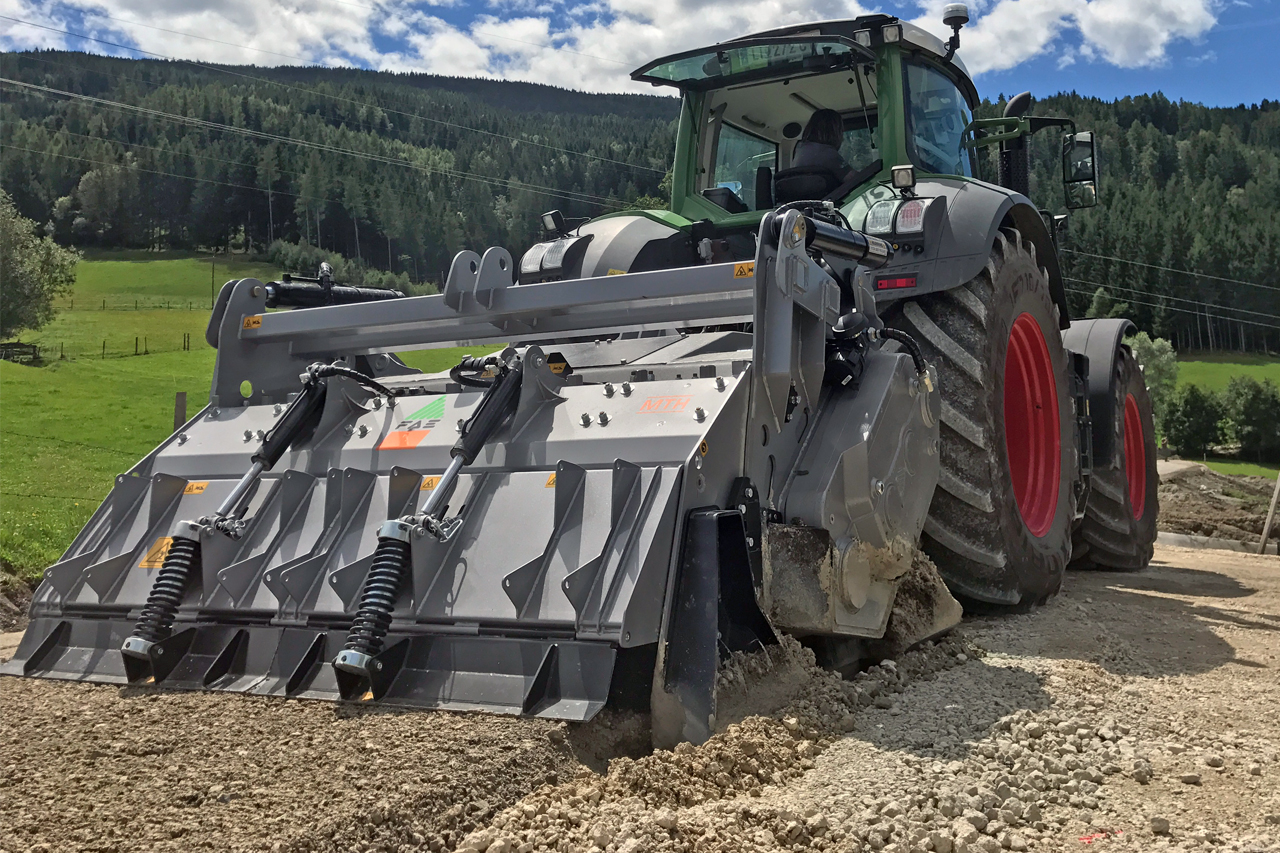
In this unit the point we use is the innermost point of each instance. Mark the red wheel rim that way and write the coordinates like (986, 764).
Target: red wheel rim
(1135, 456)
(1031, 433)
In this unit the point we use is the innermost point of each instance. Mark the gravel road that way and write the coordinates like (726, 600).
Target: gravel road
(1133, 712)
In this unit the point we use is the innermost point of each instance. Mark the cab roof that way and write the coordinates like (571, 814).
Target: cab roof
(742, 59)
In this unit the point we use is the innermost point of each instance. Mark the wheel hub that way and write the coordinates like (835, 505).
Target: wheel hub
(1033, 440)
(1135, 456)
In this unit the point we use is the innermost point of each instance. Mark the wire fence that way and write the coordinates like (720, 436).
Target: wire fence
(116, 346)
(125, 302)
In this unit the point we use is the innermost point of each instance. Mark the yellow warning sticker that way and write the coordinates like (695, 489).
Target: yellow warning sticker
(551, 481)
(429, 484)
(617, 272)
(155, 555)
(196, 488)
(557, 367)
(746, 270)
(254, 321)
(703, 448)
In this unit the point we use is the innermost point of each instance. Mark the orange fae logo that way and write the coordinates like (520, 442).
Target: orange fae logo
(663, 405)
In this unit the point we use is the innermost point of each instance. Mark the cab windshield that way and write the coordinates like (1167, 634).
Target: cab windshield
(750, 133)
(937, 115)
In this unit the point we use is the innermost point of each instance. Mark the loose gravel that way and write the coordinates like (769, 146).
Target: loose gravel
(1133, 712)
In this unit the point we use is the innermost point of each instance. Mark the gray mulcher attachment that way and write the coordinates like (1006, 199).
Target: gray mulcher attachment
(627, 489)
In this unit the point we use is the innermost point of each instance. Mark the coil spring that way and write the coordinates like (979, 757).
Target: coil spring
(379, 596)
(169, 589)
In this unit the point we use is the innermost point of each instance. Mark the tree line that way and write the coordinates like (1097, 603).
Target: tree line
(399, 171)
(1186, 237)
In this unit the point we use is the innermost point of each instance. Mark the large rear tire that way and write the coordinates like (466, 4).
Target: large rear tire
(999, 527)
(1118, 530)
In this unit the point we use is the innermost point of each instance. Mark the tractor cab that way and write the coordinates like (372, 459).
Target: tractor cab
(901, 96)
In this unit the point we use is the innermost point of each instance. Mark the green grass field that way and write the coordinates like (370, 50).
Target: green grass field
(1212, 371)
(69, 426)
(1241, 469)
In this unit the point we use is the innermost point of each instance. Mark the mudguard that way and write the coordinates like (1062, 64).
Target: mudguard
(1100, 341)
(957, 241)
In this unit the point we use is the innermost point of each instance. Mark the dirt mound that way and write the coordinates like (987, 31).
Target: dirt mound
(15, 597)
(1199, 501)
(639, 804)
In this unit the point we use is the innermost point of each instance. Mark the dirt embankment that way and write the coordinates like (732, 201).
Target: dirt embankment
(1134, 711)
(1199, 501)
(15, 598)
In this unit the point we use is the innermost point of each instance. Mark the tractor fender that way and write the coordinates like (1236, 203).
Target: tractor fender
(957, 245)
(1100, 341)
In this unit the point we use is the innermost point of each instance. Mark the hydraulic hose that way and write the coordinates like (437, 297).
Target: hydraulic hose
(469, 372)
(917, 355)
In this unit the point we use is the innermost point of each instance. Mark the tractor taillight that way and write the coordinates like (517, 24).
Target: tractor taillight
(896, 283)
(911, 217)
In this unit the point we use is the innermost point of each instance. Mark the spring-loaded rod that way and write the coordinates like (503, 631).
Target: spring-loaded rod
(182, 561)
(357, 663)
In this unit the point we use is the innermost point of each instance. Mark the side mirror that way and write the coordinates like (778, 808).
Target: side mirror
(1080, 169)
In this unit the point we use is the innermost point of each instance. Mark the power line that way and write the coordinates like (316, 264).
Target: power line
(316, 92)
(259, 134)
(1205, 305)
(1187, 311)
(1172, 269)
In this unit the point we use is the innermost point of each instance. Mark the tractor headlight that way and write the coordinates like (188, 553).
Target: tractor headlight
(550, 260)
(910, 219)
(880, 217)
(531, 263)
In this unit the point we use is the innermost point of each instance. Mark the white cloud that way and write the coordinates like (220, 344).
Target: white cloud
(1127, 33)
(592, 45)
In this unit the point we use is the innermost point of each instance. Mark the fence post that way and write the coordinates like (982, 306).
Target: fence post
(145, 351)
(104, 349)
(135, 344)
(1271, 515)
(179, 410)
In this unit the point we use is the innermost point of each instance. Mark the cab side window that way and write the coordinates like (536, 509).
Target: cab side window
(738, 155)
(936, 118)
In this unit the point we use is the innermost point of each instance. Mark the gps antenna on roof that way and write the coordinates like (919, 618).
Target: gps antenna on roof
(954, 15)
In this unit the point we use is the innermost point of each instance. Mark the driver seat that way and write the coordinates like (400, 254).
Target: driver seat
(803, 184)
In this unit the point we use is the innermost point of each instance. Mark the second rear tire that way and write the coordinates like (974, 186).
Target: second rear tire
(1118, 530)
(999, 527)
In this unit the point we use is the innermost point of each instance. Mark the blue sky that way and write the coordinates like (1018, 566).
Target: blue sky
(1218, 52)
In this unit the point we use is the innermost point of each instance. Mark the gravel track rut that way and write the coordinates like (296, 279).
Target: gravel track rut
(1133, 712)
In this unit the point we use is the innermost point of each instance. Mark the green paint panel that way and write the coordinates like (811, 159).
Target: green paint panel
(431, 411)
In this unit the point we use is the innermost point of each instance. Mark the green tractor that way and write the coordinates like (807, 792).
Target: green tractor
(1047, 447)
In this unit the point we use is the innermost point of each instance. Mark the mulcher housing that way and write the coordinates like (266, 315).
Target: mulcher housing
(616, 518)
